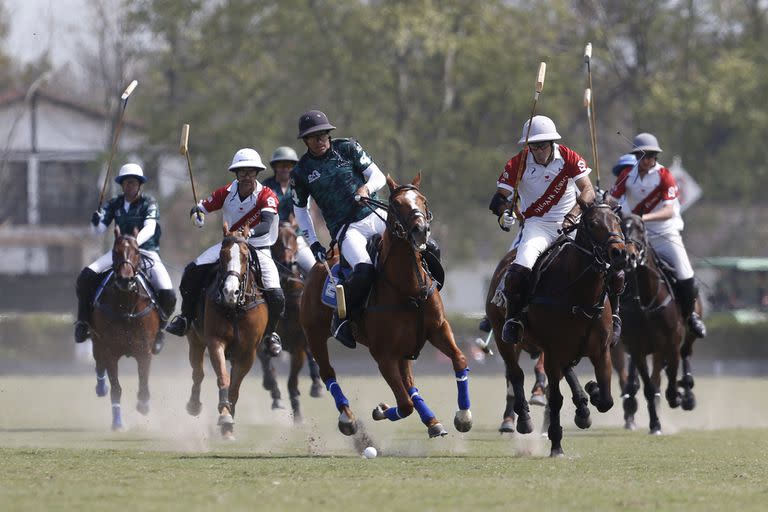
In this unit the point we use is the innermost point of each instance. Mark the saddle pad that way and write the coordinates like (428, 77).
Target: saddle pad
(328, 297)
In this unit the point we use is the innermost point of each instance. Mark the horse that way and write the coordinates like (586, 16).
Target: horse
(569, 315)
(403, 312)
(517, 412)
(292, 282)
(125, 322)
(653, 326)
(230, 325)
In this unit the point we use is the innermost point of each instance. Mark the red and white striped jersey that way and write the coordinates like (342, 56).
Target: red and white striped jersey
(546, 191)
(649, 193)
(236, 212)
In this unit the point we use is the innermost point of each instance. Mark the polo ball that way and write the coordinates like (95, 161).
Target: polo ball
(370, 453)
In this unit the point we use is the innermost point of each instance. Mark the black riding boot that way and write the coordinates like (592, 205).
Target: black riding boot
(687, 291)
(85, 288)
(615, 289)
(516, 292)
(192, 282)
(356, 290)
(166, 301)
(276, 306)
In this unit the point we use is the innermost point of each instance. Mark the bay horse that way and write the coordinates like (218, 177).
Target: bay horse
(230, 325)
(403, 312)
(284, 253)
(654, 326)
(569, 314)
(125, 322)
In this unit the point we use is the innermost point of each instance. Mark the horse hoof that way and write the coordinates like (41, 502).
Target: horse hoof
(463, 420)
(143, 407)
(674, 400)
(225, 420)
(629, 425)
(194, 408)
(277, 404)
(316, 391)
(524, 425)
(689, 402)
(378, 412)
(507, 426)
(583, 422)
(556, 453)
(118, 427)
(298, 419)
(538, 400)
(655, 431)
(437, 430)
(347, 428)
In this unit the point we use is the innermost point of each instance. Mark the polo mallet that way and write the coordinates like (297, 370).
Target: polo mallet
(124, 99)
(184, 150)
(341, 301)
(589, 103)
(537, 90)
(483, 344)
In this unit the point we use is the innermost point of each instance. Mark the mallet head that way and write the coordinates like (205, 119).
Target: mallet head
(129, 90)
(184, 144)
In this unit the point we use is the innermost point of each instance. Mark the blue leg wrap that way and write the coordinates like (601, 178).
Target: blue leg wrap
(338, 395)
(393, 414)
(420, 405)
(462, 383)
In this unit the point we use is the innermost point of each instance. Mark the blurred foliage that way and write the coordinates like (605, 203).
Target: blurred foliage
(443, 87)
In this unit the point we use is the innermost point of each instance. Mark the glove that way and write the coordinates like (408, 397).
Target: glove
(197, 216)
(318, 251)
(97, 217)
(506, 220)
(569, 222)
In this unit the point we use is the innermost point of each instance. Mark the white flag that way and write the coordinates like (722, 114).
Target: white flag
(690, 191)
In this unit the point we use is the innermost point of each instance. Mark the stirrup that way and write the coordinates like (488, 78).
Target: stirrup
(343, 333)
(178, 326)
(512, 331)
(82, 331)
(272, 346)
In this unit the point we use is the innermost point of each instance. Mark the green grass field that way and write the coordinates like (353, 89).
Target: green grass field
(57, 453)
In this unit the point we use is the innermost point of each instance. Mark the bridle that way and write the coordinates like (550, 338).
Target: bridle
(396, 223)
(598, 248)
(244, 280)
(120, 258)
(640, 245)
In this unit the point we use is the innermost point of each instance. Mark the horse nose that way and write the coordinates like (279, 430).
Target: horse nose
(618, 257)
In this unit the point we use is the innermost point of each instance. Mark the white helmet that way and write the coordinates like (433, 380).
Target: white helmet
(542, 129)
(246, 157)
(130, 170)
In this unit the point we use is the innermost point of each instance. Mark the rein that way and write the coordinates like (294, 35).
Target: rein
(654, 305)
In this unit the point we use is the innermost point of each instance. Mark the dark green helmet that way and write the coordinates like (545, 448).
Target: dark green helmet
(284, 154)
(313, 121)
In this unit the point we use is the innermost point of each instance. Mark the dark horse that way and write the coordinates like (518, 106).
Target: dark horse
(653, 326)
(569, 316)
(125, 322)
(404, 310)
(284, 253)
(234, 319)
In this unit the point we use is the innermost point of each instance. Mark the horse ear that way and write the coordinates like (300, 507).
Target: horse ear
(417, 180)
(392, 184)
(225, 228)
(117, 231)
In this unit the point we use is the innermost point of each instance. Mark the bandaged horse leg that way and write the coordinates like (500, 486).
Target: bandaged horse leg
(615, 289)
(443, 340)
(516, 286)
(276, 307)
(347, 424)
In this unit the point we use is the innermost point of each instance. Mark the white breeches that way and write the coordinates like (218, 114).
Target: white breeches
(304, 256)
(534, 238)
(269, 276)
(358, 234)
(158, 275)
(670, 248)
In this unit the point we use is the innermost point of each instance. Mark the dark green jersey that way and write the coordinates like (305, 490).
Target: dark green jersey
(285, 204)
(142, 209)
(332, 181)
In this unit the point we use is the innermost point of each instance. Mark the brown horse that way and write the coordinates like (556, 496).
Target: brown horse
(234, 317)
(653, 326)
(404, 310)
(125, 322)
(569, 315)
(292, 282)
